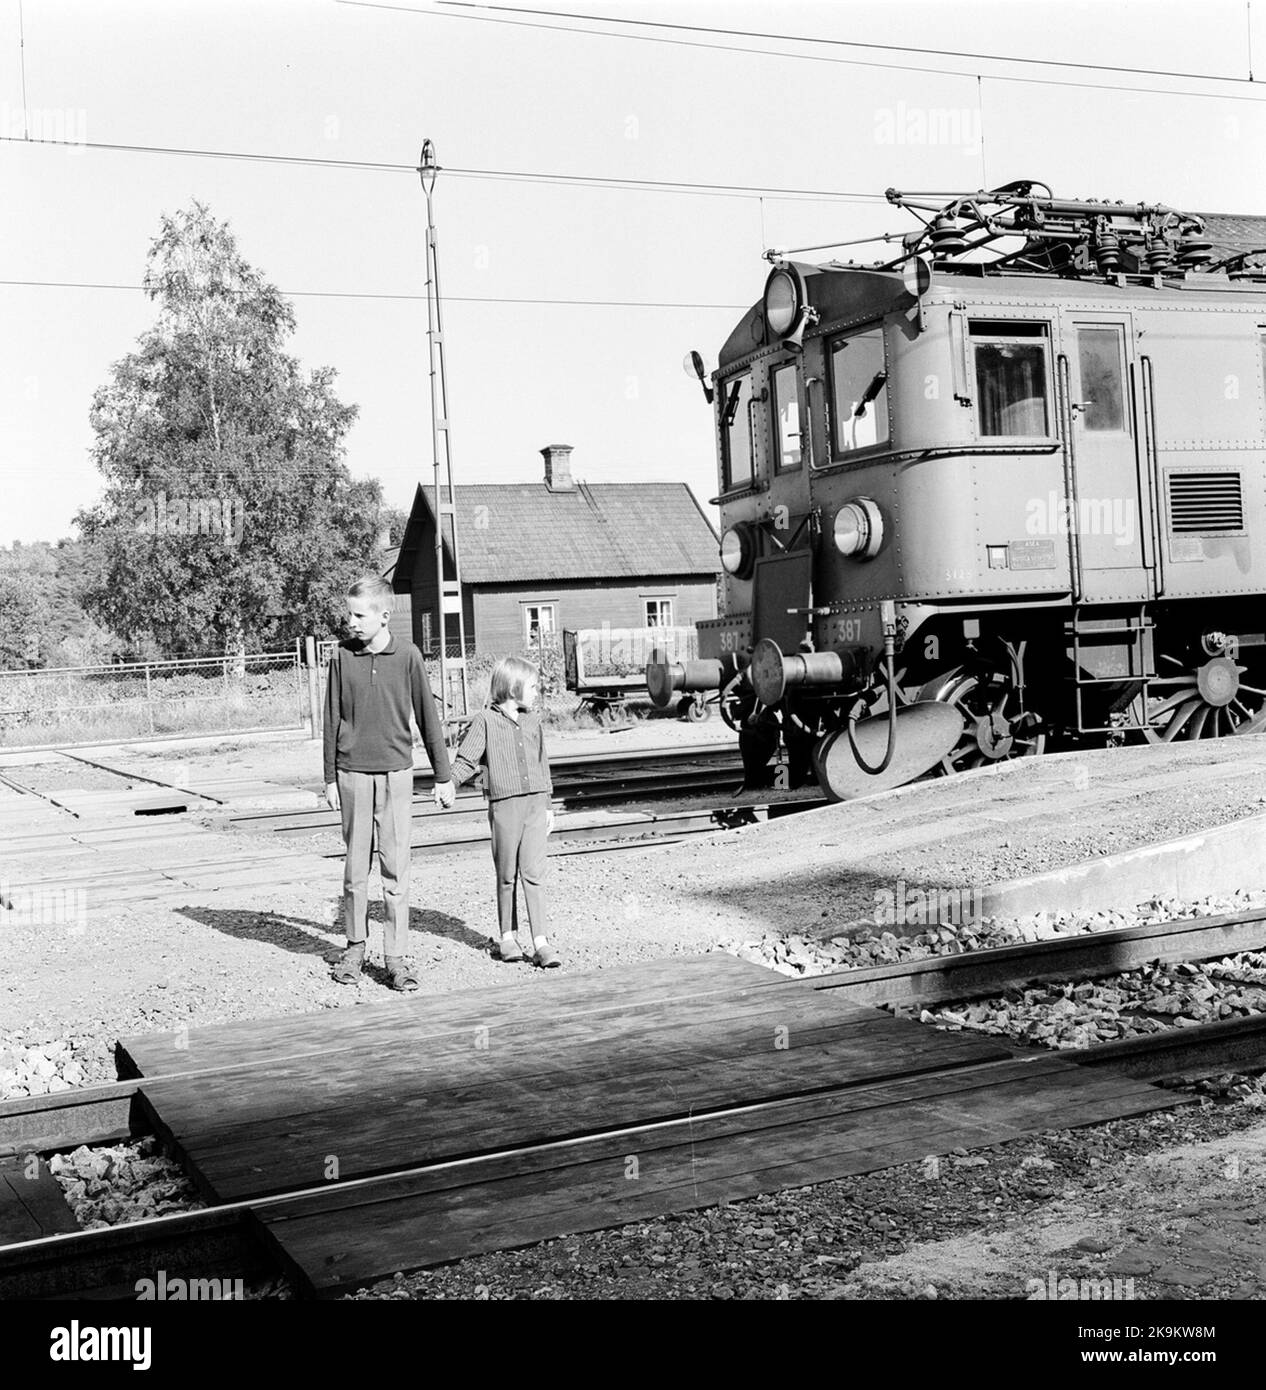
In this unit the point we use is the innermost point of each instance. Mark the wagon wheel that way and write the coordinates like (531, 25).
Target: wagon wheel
(1215, 699)
(996, 727)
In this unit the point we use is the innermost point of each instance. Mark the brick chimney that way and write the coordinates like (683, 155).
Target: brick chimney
(558, 468)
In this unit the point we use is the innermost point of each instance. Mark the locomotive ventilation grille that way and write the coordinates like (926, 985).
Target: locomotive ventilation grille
(1203, 502)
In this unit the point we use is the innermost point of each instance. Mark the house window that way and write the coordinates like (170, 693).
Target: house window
(428, 637)
(786, 418)
(859, 392)
(1011, 379)
(538, 623)
(659, 612)
(736, 431)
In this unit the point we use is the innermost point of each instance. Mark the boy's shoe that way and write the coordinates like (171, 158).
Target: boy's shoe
(508, 951)
(348, 966)
(547, 957)
(400, 973)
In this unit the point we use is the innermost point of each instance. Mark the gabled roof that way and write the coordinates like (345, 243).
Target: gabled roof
(1231, 234)
(508, 532)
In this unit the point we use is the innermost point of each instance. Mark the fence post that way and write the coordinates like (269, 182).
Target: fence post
(149, 701)
(314, 692)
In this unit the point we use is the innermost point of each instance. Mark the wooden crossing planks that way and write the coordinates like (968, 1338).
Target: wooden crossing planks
(418, 1117)
(543, 996)
(753, 1018)
(437, 1126)
(31, 1202)
(336, 1241)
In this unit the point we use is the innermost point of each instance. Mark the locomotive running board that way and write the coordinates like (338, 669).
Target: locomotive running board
(926, 732)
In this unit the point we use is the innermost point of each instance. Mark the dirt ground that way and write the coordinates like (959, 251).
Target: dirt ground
(1170, 1201)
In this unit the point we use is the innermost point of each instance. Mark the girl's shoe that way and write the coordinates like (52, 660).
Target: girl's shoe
(508, 951)
(547, 957)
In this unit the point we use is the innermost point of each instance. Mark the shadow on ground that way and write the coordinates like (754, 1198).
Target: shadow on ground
(305, 936)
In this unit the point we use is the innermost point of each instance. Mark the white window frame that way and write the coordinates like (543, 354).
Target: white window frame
(527, 621)
(647, 600)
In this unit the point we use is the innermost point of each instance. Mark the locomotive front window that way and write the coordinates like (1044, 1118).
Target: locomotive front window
(736, 431)
(859, 392)
(1011, 386)
(786, 418)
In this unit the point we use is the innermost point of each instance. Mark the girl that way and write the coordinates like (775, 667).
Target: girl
(507, 740)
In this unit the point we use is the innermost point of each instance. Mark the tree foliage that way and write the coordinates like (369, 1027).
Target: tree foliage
(229, 520)
(42, 622)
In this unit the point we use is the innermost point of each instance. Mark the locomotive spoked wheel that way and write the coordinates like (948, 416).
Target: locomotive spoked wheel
(995, 726)
(1214, 699)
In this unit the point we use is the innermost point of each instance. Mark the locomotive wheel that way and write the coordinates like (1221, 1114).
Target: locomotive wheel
(995, 727)
(1211, 700)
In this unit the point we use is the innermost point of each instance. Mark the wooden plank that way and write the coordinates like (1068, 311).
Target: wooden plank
(753, 1021)
(708, 1160)
(389, 1128)
(557, 1154)
(31, 1207)
(543, 994)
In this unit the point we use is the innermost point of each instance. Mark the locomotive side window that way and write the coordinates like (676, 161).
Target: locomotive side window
(786, 418)
(1011, 379)
(1099, 359)
(859, 392)
(736, 431)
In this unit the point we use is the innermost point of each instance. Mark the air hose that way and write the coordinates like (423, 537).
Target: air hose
(889, 659)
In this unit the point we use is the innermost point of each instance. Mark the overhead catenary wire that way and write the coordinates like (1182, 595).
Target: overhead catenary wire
(975, 56)
(613, 181)
(449, 13)
(413, 298)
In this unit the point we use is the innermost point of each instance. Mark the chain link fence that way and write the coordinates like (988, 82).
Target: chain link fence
(71, 705)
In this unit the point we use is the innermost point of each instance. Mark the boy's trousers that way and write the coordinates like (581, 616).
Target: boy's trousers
(518, 850)
(381, 802)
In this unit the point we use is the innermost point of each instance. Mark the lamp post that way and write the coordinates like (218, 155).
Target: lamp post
(448, 587)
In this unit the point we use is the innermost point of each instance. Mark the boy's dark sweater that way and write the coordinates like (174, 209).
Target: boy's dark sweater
(368, 700)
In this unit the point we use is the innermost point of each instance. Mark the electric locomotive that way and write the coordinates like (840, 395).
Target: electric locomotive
(1005, 486)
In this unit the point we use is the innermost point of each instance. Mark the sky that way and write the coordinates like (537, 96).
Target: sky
(608, 185)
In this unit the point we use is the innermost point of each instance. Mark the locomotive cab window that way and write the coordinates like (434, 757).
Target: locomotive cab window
(859, 392)
(1011, 379)
(786, 418)
(736, 431)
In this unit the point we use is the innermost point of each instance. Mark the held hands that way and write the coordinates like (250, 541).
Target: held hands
(445, 794)
(331, 795)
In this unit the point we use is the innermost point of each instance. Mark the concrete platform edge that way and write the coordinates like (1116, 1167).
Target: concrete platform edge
(1220, 860)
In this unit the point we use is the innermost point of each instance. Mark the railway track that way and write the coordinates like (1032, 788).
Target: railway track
(227, 1241)
(604, 803)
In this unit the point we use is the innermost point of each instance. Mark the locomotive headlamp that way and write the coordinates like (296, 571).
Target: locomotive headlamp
(784, 301)
(859, 529)
(738, 551)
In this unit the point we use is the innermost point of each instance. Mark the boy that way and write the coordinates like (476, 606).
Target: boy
(375, 681)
